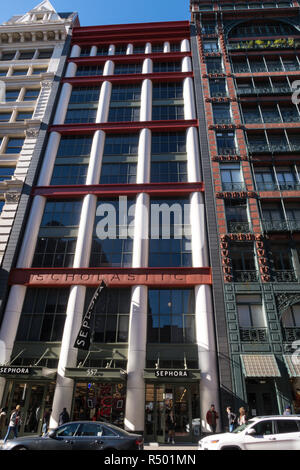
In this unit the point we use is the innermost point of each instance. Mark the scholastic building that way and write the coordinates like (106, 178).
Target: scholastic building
(119, 199)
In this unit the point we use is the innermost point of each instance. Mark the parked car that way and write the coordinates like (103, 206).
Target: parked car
(80, 435)
(260, 433)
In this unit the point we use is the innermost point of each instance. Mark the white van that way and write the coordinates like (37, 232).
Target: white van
(260, 433)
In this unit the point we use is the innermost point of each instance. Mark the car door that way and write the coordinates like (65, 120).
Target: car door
(287, 434)
(89, 437)
(62, 438)
(264, 437)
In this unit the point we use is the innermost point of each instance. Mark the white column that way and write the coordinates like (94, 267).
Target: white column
(71, 69)
(147, 66)
(108, 68)
(75, 51)
(111, 49)
(93, 52)
(135, 394)
(49, 159)
(205, 334)
(104, 100)
(148, 48)
(68, 355)
(185, 46)
(193, 156)
(61, 110)
(129, 49)
(189, 99)
(186, 64)
(167, 47)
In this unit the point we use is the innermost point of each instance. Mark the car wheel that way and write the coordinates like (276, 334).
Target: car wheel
(230, 448)
(20, 448)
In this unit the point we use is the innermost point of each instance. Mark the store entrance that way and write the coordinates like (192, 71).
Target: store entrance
(175, 401)
(261, 396)
(35, 399)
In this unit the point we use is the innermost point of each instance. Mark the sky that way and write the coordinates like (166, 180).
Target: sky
(100, 12)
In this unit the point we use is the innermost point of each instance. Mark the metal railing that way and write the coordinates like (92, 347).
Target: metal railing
(264, 90)
(227, 151)
(245, 276)
(281, 225)
(284, 276)
(290, 334)
(238, 227)
(254, 335)
(234, 186)
(278, 187)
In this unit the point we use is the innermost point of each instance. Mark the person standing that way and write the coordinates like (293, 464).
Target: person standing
(14, 422)
(2, 420)
(242, 419)
(63, 417)
(287, 411)
(212, 418)
(231, 418)
(171, 427)
(46, 420)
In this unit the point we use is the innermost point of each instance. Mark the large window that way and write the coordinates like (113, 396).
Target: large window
(169, 172)
(165, 143)
(250, 311)
(82, 115)
(171, 316)
(74, 146)
(69, 174)
(161, 67)
(124, 113)
(83, 70)
(121, 69)
(62, 213)
(14, 145)
(85, 95)
(111, 315)
(121, 144)
(126, 93)
(43, 315)
(231, 177)
(54, 252)
(162, 91)
(118, 173)
(166, 112)
(6, 172)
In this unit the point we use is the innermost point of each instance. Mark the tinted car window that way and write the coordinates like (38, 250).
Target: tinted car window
(264, 428)
(91, 429)
(67, 430)
(108, 432)
(286, 426)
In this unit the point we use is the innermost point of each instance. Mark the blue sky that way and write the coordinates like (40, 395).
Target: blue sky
(99, 12)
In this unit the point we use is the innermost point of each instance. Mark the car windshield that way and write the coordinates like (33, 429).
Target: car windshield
(242, 427)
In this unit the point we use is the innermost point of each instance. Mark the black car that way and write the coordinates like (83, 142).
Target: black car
(80, 435)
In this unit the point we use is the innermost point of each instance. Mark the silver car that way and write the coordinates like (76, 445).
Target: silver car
(80, 435)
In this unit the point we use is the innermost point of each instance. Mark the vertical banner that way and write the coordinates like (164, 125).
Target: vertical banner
(83, 339)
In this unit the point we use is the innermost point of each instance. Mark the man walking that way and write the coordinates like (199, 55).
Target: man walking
(211, 418)
(14, 422)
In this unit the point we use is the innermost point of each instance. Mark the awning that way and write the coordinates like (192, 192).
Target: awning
(260, 365)
(293, 364)
(96, 374)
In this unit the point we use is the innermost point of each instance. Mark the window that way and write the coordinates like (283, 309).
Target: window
(157, 47)
(39, 70)
(83, 115)
(163, 143)
(1, 206)
(169, 172)
(12, 95)
(3, 72)
(264, 428)
(22, 115)
(121, 49)
(112, 245)
(5, 117)
(291, 316)
(118, 173)
(91, 429)
(210, 46)
(125, 113)
(102, 50)
(85, 95)
(171, 316)
(69, 174)
(8, 55)
(74, 146)
(26, 55)
(250, 311)
(170, 90)
(285, 426)
(67, 430)
(139, 49)
(226, 143)
(126, 93)
(85, 51)
(6, 172)
(221, 113)
(43, 315)
(237, 216)
(14, 145)
(264, 179)
(217, 87)
(19, 72)
(45, 54)
(31, 95)
(161, 67)
(214, 65)
(243, 259)
(121, 69)
(61, 214)
(231, 176)
(175, 47)
(281, 257)
(54, 252)
(121, 144)
(163, 113)
(111, 316)
(83, 70)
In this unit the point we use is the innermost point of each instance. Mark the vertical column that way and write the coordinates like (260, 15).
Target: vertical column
(64, 97)
(93, 52)
(185, 46)
(129, 49)
(135, 398)
(111, 49)
(148, 48)
(75, 52)
(167, 47)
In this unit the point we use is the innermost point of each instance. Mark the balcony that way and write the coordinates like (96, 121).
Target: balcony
(281, 225)
(278, 187)
(286, 275)
(223, 120)
(254, 335)
(239, 227)
(240, 186)
(259, 44)
(270, 119)
(264, 90)
(228, 151)
(291, 334)
(245, 276)
(273, 148)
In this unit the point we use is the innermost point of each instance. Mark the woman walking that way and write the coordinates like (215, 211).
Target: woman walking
(242, 419)
(14, 422)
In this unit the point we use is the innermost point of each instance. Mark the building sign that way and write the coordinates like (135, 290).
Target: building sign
(171, 373)
(10, 370)
(113, 278)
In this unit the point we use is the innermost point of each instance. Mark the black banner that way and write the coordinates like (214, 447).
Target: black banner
(83, 339)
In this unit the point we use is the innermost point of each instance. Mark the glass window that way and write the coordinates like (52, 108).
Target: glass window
(91, 429)
(61, 213)
(231, 177)
(83, 70)
(161, 67)
(39, 70)
(285, 426)
(5, 117)
(121, 49)
(264, 428)
(85, 95)
(291, 316)
(54, 252)
(12, 95)
(121, 144)
(85, 51)
(125, 113)
(1, 206)
(165, 112)
(45, 53)
(83, 115)
(169, 172)
(14, 145)
(217, 87)
(210, 46)
(3, 72)
(226, 143)
(118, 173)
(250, 311)
(8, 55)
(126, 93)
(214, 65)
(102, 50)
(22, 115)
(6, 172)
(139, 49)
(19, 72)
(121, 69)
(69, 174)
(71, 146)
(170, 90)
(31, 95)
(163, 143)
(67, 430)
(26, 55)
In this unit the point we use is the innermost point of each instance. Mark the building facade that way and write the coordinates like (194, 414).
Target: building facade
(119, 198)
(32, 56)
(248, 60)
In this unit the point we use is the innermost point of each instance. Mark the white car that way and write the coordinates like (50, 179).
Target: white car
(260, 433)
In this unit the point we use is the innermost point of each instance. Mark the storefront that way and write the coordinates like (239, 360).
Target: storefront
(174, 393)
(99, 394)
(33, 389)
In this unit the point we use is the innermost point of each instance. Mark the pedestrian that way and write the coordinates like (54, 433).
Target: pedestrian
(242, 419)
(2, 420)
(231, 418)
(46, 420)
(63, 417)
(211, 418)
(287, 411)
(171, 427)
(14, 422)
